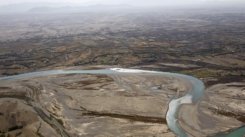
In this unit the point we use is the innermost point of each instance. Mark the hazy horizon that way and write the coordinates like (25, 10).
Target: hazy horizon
(66, 6)
(127, 2)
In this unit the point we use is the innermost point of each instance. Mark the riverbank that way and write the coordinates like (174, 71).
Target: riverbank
(122, 96)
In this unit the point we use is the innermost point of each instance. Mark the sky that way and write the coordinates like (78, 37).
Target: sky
(127, 2)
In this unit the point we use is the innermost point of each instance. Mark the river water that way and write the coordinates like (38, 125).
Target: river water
(193, 96)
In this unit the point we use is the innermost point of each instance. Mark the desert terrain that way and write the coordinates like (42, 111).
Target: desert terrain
(206, 44)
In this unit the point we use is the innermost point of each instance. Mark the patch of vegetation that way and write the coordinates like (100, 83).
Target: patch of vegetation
(201, 73)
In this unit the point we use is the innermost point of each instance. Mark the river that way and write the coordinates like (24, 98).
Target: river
(193, 96)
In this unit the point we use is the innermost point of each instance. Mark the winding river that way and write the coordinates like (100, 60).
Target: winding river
(192, 96)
